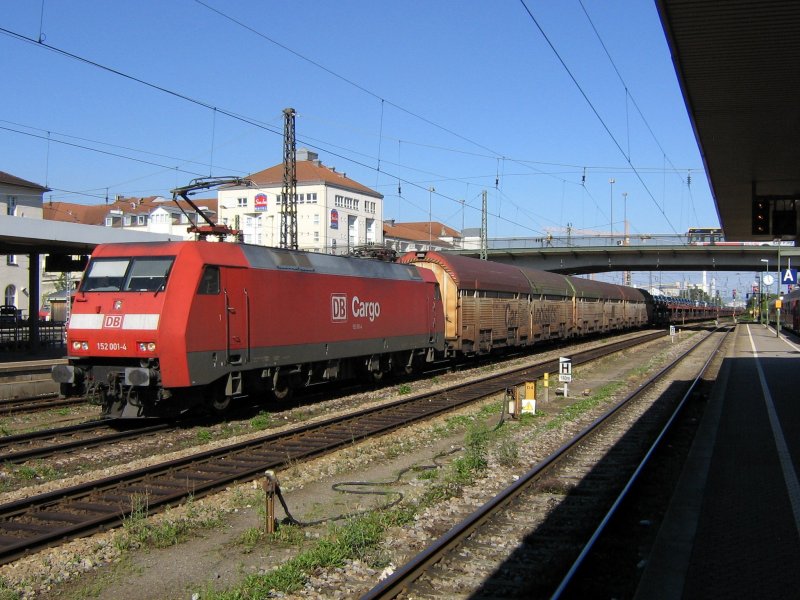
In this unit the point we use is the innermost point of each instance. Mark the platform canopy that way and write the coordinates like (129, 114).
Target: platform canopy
(738, 64)
(26, 236)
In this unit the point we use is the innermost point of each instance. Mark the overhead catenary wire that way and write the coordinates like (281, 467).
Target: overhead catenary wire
(322, 145)
(595, 111)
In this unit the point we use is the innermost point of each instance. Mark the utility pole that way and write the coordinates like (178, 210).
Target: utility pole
(484, 228)
(289, 212)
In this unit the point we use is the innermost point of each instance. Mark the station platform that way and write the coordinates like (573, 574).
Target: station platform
(732, 529)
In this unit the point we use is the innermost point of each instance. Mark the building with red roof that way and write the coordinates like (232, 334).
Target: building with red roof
(334, 213)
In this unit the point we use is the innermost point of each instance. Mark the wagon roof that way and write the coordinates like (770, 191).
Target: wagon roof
(471, 274)
(588, 288)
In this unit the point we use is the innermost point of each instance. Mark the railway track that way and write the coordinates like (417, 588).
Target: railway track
(518, 544)
(51, 518)
(40, 444)
(15, 406)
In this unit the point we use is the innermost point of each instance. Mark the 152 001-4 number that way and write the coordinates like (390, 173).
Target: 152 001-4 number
(111, 346)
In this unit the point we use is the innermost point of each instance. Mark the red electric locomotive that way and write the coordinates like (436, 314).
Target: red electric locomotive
(156, 326)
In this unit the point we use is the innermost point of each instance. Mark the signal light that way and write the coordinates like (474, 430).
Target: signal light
(760, 217)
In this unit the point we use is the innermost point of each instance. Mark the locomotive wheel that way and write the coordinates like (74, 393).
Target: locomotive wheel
(220, 403)
(281, 389)
(216, 401)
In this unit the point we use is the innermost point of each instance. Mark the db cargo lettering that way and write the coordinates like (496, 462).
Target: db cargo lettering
(366, 310)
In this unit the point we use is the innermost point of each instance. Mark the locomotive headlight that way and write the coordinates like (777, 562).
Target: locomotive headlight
(80, 345)
(147, 346)
(151, 347)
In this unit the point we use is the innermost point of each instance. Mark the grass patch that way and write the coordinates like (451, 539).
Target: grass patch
(204, 435)
(7, 591)
(404, 389)
(507, 452)
(261, 421)
(358, 539)
(138, 531)
(576, 409)
(35, 471)
(249, 539)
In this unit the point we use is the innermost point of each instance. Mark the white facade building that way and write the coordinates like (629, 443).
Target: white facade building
(18, 199)
(334, 212)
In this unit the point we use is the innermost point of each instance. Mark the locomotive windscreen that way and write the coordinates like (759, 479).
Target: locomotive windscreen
(144, 274)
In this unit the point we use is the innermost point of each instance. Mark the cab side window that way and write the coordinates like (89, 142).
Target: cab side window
(209, 283)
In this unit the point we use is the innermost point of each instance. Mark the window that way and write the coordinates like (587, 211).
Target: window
(311, 197)
(11, 259)
(241, 202)
(11, 205)
(209, 283)
(10, 295)
(144, 274)
(346, 202)
(316, 219)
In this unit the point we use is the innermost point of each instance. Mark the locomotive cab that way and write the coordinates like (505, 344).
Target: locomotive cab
(115, 316)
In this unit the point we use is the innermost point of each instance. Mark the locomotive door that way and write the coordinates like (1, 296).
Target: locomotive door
(237, 316)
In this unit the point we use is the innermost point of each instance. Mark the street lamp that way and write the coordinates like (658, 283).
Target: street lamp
(625, 231)
(625, 217)
(612, 181)
(761, 304)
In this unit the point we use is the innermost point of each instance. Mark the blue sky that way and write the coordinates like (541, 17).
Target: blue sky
(540, 111)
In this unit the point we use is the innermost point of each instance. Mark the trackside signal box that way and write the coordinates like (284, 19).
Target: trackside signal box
(522, 400)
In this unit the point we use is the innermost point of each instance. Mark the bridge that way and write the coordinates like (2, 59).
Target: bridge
(583, 255)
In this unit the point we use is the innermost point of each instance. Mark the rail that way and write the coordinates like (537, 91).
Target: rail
(51, 518)
(405, 576)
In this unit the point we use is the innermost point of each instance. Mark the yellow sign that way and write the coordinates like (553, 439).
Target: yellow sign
(778, 303)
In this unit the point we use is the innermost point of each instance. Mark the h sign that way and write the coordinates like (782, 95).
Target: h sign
(789, 276)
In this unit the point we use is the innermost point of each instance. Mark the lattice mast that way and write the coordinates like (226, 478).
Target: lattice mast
(484, 228)
(289, 213)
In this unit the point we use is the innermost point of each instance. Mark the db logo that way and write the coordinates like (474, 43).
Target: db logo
(339, 307)
(113, 321)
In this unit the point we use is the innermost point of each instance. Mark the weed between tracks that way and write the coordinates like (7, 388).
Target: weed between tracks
(363, 538)
(138, 532)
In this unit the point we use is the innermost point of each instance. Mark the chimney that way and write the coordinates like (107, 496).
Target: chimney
(306, 154)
